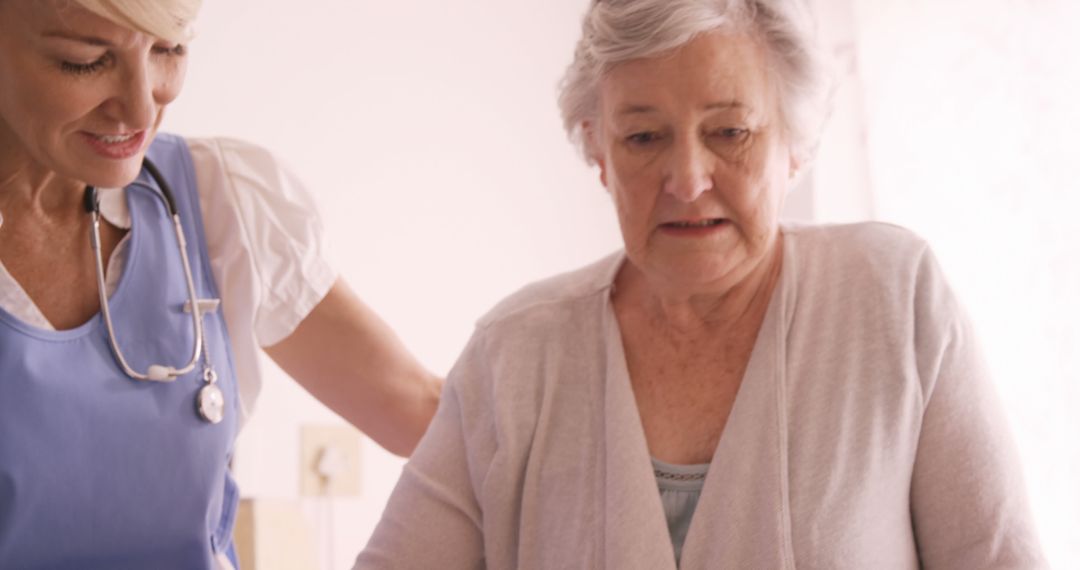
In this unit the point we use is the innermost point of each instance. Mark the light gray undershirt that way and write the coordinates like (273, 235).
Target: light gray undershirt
(680, 489)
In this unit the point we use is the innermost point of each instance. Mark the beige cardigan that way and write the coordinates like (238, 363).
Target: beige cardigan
(865, 435)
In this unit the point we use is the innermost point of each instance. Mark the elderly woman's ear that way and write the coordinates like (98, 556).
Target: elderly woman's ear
(590, 133)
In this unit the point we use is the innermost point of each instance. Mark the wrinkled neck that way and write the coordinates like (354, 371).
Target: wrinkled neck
(695, 312)
(27, 186)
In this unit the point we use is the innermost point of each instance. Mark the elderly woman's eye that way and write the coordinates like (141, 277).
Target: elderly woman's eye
(730, 133)
(643, 138)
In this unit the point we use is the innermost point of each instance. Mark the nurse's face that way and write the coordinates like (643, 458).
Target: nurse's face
(692, 149)
(80, 96)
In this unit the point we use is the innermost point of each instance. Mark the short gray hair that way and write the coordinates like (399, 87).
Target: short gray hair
(615, 31)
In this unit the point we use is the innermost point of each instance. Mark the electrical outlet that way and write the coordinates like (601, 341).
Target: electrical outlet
(329, 460)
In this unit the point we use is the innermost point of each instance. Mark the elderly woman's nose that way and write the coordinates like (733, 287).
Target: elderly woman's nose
(690, 172)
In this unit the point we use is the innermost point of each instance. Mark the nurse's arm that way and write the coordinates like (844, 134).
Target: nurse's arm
(348, 358)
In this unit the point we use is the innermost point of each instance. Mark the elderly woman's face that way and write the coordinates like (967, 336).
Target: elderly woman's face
(691, 148)
(80, 95)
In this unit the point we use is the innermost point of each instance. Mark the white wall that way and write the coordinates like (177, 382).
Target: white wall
(429, 133)
(971, 124)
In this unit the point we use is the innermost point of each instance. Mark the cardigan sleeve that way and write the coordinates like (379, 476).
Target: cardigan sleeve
(968, 499)
(433, 518)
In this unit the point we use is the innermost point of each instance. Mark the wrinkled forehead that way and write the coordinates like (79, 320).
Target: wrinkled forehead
(714, 67)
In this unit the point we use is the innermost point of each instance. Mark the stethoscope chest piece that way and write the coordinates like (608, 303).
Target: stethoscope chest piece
(211, 400)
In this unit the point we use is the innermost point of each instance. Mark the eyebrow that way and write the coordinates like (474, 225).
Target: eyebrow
(636, 110)
(725, 105)
(92, 40)
(646, 109)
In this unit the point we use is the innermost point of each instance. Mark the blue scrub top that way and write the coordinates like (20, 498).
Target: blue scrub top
(98, 470)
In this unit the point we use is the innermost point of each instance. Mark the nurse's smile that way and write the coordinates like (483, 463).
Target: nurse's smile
(116, 146)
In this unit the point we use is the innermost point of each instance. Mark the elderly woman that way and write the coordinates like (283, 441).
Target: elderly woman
(728, 392)
(116, 427)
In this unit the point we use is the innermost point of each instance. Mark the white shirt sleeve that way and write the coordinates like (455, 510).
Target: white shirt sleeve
(264, 237)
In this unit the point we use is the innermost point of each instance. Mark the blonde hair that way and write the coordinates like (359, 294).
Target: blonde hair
(615, 31)
(166, 19)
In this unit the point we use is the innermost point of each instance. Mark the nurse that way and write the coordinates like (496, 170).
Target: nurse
(117, 427)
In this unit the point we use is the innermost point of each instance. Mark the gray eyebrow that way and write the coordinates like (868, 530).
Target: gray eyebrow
(725, 105)
(645, 109)
(636, 110)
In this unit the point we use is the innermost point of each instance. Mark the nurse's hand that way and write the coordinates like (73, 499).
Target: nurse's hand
(349, 359)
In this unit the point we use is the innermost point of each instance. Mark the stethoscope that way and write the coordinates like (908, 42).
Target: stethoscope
(210, 401)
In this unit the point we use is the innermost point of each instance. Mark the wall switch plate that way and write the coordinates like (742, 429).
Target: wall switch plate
(329, 460)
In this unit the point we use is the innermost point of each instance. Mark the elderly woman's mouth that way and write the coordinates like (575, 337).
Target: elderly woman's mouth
(694, 227)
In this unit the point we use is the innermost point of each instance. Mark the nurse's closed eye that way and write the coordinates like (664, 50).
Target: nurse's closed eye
(76, 68)
(178, 50)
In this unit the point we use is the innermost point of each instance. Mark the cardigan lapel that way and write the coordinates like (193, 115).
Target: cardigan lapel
(742, 519)
(635, 530)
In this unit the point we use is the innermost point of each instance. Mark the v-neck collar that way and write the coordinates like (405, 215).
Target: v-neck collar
(635, 530)
(742, 517)
(21, 309)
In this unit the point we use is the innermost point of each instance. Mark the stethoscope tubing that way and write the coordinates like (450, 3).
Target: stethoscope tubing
(156, 372)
